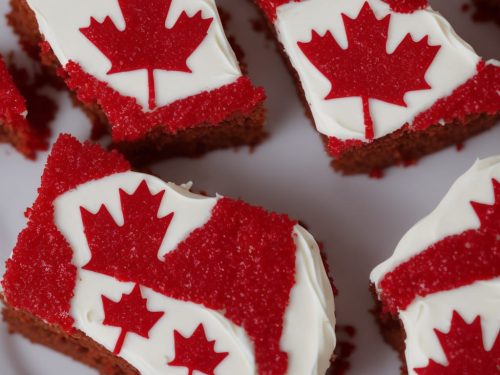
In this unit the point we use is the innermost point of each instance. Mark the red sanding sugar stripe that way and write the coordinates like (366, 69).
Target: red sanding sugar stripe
(479, 95)
(269, 7)
(453, 262)
(40, 277)
(129, 122)
(407, 6)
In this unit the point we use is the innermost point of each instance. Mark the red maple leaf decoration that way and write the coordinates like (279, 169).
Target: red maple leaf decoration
(131, 315)
(455, 261)
(146, 43)
(196, 352)
(365, 69)
(465, 352)
(139, 237)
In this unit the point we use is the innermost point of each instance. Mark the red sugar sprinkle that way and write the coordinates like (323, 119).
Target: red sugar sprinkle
(453, 262)
(269, 6)
(40, 277)
(377, 174)
(129, 122)
(407, 6)
(409, 163)
(12, 103)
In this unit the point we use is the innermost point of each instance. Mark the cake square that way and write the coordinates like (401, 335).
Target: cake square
(160, 76)
(14, 126)
(384, 82)
(438, 295)
(130, 274)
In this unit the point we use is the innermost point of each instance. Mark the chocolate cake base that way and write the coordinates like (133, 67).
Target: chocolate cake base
(23, 141)
(77, 346)
(397, 148)
(7, 136)
(391, 329)
(487, 10)
(406, 145)
(237, 130)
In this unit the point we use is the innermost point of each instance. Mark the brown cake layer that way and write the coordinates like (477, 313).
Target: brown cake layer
(396, 148)
(405, 146)
(487, 10)
(77, 346)
(391, 329)
(240, 129)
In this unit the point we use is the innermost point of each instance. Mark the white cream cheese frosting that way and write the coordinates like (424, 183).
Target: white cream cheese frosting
(452, 216)
(342, 118)
(213, 63)
(308, 335)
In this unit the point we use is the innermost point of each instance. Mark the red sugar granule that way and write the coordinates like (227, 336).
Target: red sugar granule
(129, 122)
(376, 174)
(39, 276)
(453, 262)
(269, 6)
(11, 101)
(407, 6)
(241, 262)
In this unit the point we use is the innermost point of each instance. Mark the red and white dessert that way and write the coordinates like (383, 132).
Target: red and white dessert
(443, 281)
(161, 75)
(375, 73)
(165, 279)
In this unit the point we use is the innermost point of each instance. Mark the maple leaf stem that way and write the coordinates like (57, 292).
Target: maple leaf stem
(119, 342)
(369, 134)
(152, 89)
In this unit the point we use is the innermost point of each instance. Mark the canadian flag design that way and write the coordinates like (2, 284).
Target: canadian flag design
(369, 68)
(146, 63)
(443, 281)
(168, 279)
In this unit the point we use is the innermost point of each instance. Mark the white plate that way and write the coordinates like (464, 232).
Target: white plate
(360, 220)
